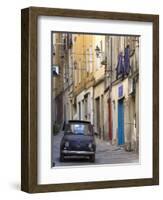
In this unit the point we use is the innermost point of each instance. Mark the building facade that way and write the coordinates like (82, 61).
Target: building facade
(122, 91)
(57, 79)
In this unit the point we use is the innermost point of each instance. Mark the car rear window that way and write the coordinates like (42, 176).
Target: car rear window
(79, 128)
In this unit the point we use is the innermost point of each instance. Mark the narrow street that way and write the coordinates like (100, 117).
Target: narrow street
(105, 154)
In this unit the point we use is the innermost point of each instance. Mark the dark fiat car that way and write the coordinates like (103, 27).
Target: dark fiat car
(78, 140)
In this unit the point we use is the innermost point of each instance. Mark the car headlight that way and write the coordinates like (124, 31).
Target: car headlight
(90, 145)
(66, 144)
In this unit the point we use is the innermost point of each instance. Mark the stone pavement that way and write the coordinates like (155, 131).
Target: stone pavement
(105, 154)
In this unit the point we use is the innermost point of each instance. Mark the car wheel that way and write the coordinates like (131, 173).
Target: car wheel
(92, 158)
(62, 158)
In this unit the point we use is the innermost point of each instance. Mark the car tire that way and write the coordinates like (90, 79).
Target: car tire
(62, 158)
(92, 158)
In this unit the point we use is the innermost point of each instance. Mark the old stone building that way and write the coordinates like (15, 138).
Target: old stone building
(57, 79)
(122, 91)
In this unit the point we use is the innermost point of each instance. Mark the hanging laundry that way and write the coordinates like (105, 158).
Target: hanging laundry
(127, 60)
(128, 53)
(120, 65)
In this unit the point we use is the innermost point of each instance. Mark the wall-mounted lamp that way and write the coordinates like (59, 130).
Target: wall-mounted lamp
(98, 51)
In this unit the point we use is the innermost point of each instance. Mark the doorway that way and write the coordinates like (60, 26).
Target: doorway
(120, 122)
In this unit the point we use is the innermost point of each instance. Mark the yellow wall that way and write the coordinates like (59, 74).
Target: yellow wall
(88, 65)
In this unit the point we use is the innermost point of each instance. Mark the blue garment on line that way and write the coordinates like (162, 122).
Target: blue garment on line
(120, 65)
(127, 60)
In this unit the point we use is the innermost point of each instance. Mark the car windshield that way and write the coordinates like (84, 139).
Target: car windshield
(79, 128)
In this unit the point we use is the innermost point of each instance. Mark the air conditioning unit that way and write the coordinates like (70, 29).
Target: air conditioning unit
(55, 70)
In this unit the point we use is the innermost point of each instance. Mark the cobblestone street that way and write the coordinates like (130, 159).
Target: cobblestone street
(105, 154)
